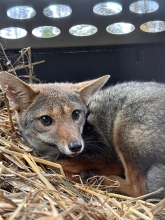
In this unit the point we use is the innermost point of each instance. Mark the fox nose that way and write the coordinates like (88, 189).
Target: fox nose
(75, 146)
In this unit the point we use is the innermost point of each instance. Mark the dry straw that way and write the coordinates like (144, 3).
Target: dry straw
(34, 188)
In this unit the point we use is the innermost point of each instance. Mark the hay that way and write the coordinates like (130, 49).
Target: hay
(34, 188)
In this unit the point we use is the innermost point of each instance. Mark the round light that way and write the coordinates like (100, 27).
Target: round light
(46, 31)
(82, 30)
(21, 12)
(107, 8)
(120, 28)
(13, 33)
(143, 7)
(57, 11)
(153, 26)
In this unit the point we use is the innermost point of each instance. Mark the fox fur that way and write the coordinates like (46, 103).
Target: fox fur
(46, 113)
(127, 122)
(130, 119)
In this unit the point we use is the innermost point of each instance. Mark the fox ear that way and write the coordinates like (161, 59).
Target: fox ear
(89, 88)
(18, 92)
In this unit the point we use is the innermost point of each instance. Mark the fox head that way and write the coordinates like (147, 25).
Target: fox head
(51, 117)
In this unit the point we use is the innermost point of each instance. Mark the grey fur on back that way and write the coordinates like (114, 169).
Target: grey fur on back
(140, 106)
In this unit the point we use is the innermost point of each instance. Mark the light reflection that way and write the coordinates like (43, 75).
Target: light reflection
(21, 12)
(120, 28)
(143, 7)
(46, 32)
(57, 11)
(13, 33)
(153, 26)
(107, 8)
(83, 30)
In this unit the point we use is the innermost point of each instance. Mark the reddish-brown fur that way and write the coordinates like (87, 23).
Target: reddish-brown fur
(99, 165)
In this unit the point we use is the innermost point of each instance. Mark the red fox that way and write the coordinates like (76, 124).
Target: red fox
(127, 137)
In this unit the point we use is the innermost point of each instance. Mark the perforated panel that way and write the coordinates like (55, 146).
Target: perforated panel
(82, 13)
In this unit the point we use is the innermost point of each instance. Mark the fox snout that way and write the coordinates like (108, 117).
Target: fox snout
(52, 149)
(75, 146)
(71, 149)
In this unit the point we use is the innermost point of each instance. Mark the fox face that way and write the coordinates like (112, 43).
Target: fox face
(53, 123)
(51, 117)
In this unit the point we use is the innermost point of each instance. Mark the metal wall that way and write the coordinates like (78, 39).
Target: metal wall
(123, 63)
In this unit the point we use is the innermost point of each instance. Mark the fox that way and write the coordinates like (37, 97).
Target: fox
(50, 116)
(117, 131)
(126, 126)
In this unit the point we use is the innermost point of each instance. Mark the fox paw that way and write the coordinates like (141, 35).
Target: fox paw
(85, 175)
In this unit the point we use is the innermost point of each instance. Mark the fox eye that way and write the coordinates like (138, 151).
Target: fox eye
(76, 114)
(46, 120)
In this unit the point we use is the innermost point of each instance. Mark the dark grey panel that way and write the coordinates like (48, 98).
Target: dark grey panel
(122, 63)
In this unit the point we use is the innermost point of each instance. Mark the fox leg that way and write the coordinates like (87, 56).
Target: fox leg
(87, 166)
(133, 185)
(128, 139)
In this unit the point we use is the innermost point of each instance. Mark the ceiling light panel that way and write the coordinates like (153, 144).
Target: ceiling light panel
(81, 23)
(143, 7)
(57, 11)
(13, 33)
(107, 8)
(21, 12)
(46, 32)
(83, 30)
(153, 26)
(120, 28)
